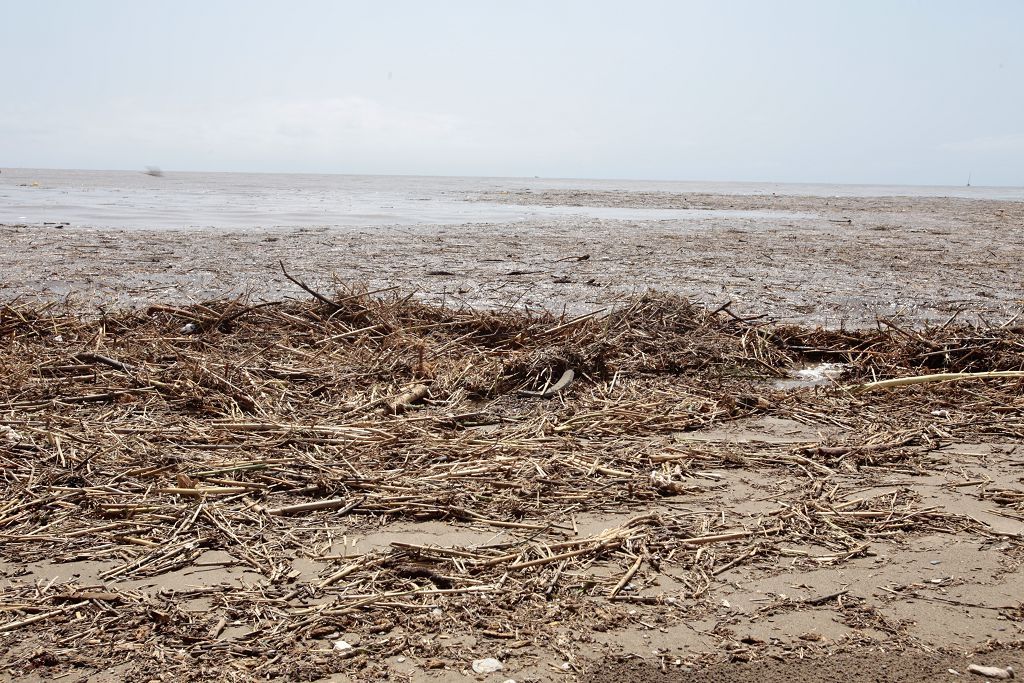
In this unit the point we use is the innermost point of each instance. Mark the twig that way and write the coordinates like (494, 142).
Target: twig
(941, 377)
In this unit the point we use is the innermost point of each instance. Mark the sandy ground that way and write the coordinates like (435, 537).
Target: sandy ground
(917, 607)
(867, 667)
(909, 608)
(812, 260)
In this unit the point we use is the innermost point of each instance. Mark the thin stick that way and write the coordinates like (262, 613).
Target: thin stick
(625, 577)
(331, 504)
(942, 377)
(316, 295)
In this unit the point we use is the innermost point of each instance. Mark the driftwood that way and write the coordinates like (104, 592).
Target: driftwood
(563, 382)
(315, 294)
(404, 400)
(282, 453)
(996, 672)
(941, 377)
(344, 504)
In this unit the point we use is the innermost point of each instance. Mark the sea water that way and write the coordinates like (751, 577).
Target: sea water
(133, 199)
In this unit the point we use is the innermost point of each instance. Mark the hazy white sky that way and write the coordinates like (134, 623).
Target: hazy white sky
(887, 91)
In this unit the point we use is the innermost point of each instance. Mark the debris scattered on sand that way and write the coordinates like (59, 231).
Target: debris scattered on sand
(234, 468)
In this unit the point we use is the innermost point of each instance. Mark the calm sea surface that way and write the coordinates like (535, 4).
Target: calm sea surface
(127, 199)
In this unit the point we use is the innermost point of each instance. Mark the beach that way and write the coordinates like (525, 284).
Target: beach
(537, 430)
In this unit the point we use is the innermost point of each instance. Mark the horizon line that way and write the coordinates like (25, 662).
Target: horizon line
(513, 177)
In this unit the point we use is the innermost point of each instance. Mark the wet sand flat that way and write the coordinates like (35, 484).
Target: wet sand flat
(832, 261)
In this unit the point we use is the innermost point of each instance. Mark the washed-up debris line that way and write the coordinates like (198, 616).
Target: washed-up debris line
(263, 436)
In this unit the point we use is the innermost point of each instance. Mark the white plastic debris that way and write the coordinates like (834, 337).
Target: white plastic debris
(820, 373)
(342, 645)
(664, 483)
(487, 665)
(816, 375)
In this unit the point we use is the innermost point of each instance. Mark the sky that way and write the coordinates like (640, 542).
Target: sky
(886, 91)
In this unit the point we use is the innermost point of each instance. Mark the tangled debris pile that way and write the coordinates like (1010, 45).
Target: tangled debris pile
(227, 454)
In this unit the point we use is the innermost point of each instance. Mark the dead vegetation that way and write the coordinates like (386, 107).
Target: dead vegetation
(153, 441)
